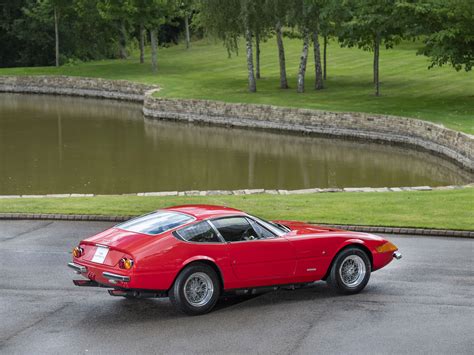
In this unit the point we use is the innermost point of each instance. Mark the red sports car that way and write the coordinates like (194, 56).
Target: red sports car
(193, 254)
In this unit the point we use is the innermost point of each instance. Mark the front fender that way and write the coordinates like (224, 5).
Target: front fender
(352, 242)
(359, 242)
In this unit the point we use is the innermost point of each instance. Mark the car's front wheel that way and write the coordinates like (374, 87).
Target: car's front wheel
(350, 271)
(196, 289)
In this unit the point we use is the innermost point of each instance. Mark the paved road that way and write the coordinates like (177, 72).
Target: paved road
(421, 304)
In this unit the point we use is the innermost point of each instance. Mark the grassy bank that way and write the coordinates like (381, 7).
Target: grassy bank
(441, 95)
(451, 209)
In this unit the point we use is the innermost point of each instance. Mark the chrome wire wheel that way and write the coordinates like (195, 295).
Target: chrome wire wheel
(352, 271)
(198, 289)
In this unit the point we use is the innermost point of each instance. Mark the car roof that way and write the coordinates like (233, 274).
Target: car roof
(205, 211)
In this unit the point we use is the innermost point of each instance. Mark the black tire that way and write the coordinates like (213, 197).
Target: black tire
(341, 285)
(193, 272)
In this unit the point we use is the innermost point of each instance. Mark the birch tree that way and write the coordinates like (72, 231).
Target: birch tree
(277, 11)
(230, 20)
(305, 17)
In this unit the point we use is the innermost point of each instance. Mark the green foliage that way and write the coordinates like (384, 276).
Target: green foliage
(222, 19)
(88, 29)
(369, 20)
(447, 29)
(28, 28)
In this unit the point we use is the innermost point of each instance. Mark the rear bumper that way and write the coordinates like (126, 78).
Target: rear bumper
(78, 269)
(97, 275)
(114, 278)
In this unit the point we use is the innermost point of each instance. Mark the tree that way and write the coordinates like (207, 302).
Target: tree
(305, 16)
(151, 15)
(316, 11)
(332, 15)
(277, 17)
(262, 28)
(10, 11)
(47, 11)
(119, 12)
(229, 20)
(372, 23)
(248, 12)
(141, 41)
(447, 30)
(56, 34)
(186, 10)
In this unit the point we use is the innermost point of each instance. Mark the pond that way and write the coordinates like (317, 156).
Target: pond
(54, 144)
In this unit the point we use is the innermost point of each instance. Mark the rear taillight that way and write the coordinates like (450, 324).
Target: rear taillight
(125, 263)
(77, 252)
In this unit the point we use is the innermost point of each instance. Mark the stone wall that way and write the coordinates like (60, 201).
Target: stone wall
(76, 86)
(454, 145)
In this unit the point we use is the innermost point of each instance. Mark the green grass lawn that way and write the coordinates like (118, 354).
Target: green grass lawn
(409, 89)
(434, 209)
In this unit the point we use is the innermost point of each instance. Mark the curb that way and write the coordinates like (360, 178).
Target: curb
(355, 228)
(252, 192)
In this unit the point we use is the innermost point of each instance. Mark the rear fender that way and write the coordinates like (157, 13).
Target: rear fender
(206, 260)
(197, 258)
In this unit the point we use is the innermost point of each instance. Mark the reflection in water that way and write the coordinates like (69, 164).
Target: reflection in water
(58, 144)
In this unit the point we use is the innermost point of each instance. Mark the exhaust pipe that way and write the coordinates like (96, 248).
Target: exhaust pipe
(397, 255)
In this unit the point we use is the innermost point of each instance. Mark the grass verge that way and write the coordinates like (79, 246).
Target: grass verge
(440, 209)
(440, 95)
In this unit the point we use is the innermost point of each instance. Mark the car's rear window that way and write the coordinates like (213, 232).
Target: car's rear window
(156, 222)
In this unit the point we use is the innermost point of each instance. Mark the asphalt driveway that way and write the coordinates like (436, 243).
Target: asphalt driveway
(423, 303)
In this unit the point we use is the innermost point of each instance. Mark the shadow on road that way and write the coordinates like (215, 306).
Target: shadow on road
(114, 311)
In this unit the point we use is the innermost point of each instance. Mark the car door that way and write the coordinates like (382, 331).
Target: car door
(256, 256)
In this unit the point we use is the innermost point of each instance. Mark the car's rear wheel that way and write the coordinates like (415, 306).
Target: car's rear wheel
(350, 271)
(196, 289)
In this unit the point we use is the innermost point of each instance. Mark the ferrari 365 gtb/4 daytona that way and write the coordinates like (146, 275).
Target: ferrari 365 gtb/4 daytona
(193, 254)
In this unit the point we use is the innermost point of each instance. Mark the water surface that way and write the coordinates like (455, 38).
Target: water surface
(54, 144)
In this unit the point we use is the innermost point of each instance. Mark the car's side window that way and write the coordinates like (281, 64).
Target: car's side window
(201, 232)
(235, 229)
(263, 232)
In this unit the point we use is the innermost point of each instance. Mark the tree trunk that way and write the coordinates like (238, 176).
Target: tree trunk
(318, 82)
(303, 61)
(252, 82)
(142, 44)
(376, 65)
(123, 41)
(56, 35)
(257, 54)
(154, 49)
(325, 57)
(281, 57)
(188, 37)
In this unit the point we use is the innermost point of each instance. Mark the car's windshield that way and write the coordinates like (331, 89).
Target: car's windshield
(156, 222)
(275, 228)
